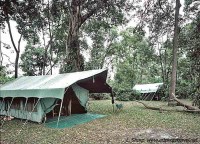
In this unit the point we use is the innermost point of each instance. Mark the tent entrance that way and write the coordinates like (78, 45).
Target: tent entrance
(71, 105)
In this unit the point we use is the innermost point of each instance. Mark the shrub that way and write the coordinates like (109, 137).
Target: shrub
(99, 96)
(128, 95)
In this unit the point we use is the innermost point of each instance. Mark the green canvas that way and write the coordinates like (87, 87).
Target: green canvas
(48, 89)
(73, 120)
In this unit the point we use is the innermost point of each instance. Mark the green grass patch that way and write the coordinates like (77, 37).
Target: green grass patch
(114, 128)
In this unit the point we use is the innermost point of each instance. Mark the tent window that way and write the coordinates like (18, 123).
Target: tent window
(30, 105)
(16, 104)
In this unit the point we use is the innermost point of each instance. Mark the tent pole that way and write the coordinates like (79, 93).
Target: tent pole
(10, 105)
(144, 95)
(61, 108)
(153, 96)
(59, 113)
(24, 107)
(70, 106)
(33, 108)
(28, 116)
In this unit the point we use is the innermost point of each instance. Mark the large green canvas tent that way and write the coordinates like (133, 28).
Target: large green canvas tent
(37, 97)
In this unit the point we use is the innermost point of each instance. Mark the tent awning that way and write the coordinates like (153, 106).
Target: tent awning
(47, 85)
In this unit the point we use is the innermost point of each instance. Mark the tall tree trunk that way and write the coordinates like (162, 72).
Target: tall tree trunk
(16, 64)
(1, 55)
(17, 49)
(175, 49)
(74, 60)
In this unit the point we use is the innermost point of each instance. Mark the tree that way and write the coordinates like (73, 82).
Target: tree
(102, 47)
(17, 11)
(134, 60)
(175, 49)
(80, 12)
(3, 77)
(32, 60)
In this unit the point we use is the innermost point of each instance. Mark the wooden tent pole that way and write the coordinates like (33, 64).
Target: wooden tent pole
(61, 107)
(10, 105)
(29, 116)
(25, 107)
(153, 95)
(70, 106)
(59, 113)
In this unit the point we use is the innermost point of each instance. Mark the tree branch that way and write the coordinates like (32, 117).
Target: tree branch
(19, 42)
(8, 58)
(99, 4)
(159, 2)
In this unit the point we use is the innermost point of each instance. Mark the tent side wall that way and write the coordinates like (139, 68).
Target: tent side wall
(36, 115)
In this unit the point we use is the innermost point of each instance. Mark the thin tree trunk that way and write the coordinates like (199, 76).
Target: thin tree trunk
(17, 49)
(1, 54)
(175, 49)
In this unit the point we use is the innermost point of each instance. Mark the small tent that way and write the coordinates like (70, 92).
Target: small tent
(37, 97)
(148, 91)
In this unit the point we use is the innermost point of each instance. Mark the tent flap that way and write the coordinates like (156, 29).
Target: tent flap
(48, 104)
(81, 93)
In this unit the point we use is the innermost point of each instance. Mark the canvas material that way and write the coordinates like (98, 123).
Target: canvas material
(147, 88)
(44, 106)
(44, 86)
(81, 93)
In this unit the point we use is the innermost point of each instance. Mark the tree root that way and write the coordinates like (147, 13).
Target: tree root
(189, 108)
(180, 103)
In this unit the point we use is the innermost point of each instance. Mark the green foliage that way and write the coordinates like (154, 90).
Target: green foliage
(134, 60)
(102, 47)
(33, 60)
(3, 77)
(128, 95)
(100, 96)
(189, 64)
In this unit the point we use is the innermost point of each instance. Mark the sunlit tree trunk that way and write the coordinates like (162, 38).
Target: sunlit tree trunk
(175, 49)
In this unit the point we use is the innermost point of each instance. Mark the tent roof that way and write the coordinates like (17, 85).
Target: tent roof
(47, 85)
(147, 88)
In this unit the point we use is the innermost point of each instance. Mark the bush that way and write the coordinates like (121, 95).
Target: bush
(122, 97)
(100, 96)
(128, 96)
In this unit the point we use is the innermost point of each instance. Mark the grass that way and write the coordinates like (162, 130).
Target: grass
(115, 128)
